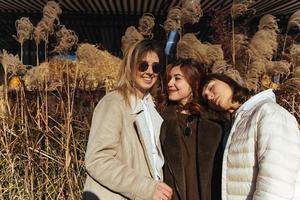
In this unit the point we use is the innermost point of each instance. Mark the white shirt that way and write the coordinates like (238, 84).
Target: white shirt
(154, 150)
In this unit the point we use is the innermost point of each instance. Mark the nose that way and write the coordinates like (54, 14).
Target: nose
(150, 69)
(209, 96)
(171, 82)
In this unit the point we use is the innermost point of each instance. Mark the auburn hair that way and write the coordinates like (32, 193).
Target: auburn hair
(192, 72)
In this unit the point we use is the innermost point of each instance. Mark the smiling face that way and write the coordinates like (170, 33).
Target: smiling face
(179, 89)
(145, 80)
(219, 96)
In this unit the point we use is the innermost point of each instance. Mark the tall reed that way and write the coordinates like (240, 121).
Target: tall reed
(43, 141)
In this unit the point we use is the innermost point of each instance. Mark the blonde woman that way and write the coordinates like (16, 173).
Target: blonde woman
(124, 158)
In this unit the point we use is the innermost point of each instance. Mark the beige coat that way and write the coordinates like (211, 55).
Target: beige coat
(117, 157)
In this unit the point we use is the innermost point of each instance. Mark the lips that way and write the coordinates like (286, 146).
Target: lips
(215, 101)
(147, 79)
(171, 90)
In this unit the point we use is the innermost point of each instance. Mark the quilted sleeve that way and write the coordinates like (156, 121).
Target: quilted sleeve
(278, 154)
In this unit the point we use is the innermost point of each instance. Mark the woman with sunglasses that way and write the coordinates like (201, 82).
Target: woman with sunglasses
(261, 160)
(189, 141)
(124, 158)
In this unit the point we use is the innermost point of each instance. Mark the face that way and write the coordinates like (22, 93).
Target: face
(179, 89)
(219, 95)
(145, 80)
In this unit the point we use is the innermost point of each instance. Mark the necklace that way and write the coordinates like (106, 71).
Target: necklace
(187, 131)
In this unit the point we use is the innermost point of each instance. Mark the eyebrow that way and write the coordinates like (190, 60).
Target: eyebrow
(203, 94)
(204, 89)
(178, 75)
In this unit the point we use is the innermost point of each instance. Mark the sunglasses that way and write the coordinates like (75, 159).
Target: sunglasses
(156, 67)
(188, 129)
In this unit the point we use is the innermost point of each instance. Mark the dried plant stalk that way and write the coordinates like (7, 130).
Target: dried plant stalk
(242, 57)
(235, 75)
(296, 73)
(146, 24)
(281, 67)
(263, 44)
(96, 67)
(241, 42)
(24, 30)
(39, 34)
(222, 67)
(131, 37)
(190, 47)
(191, 11)
(66, 40)
(255, 72)
(3, 110)
(173, 21)
(295, 54)
(43, 75)
(51, 11)
(11, 64)
(240, 7)
(289, 101)
(267, 83)
(46, 25)
(290, 86)
(294, 21)
(33, 157)
(268, 22)
(261, 49)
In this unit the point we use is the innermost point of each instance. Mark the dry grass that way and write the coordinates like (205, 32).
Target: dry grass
(43, 142)
(190, 47)
(291, 102)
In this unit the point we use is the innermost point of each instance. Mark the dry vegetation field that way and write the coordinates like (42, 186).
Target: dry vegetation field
(42, 142)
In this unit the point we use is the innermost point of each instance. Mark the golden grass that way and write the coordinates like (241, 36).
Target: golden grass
(190, 47)
(173, 21)
(43, 141)
(132, 36)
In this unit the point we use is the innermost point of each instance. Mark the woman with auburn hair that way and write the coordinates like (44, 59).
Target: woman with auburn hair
(124, 158)
(189, 141)
(261, 160)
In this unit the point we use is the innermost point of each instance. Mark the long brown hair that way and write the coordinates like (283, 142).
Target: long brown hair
(132, 57)
(193, 72)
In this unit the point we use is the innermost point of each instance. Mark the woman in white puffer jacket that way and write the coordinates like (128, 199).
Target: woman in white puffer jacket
(261, 159)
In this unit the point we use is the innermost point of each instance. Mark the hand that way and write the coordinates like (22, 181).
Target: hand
(162, 192)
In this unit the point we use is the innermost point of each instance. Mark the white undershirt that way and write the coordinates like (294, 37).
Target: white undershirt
(154, 151)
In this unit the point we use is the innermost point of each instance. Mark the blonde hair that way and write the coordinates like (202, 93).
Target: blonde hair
(133, 56)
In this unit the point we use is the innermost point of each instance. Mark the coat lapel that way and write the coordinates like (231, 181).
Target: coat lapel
(143, 131)
(143, 134)
(173, 154)
(202, 154)
(209, 138)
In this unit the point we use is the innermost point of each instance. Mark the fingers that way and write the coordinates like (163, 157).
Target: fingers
(162, 192)
(167, 190)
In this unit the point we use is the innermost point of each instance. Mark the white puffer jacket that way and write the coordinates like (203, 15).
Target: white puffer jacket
(262, 156)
